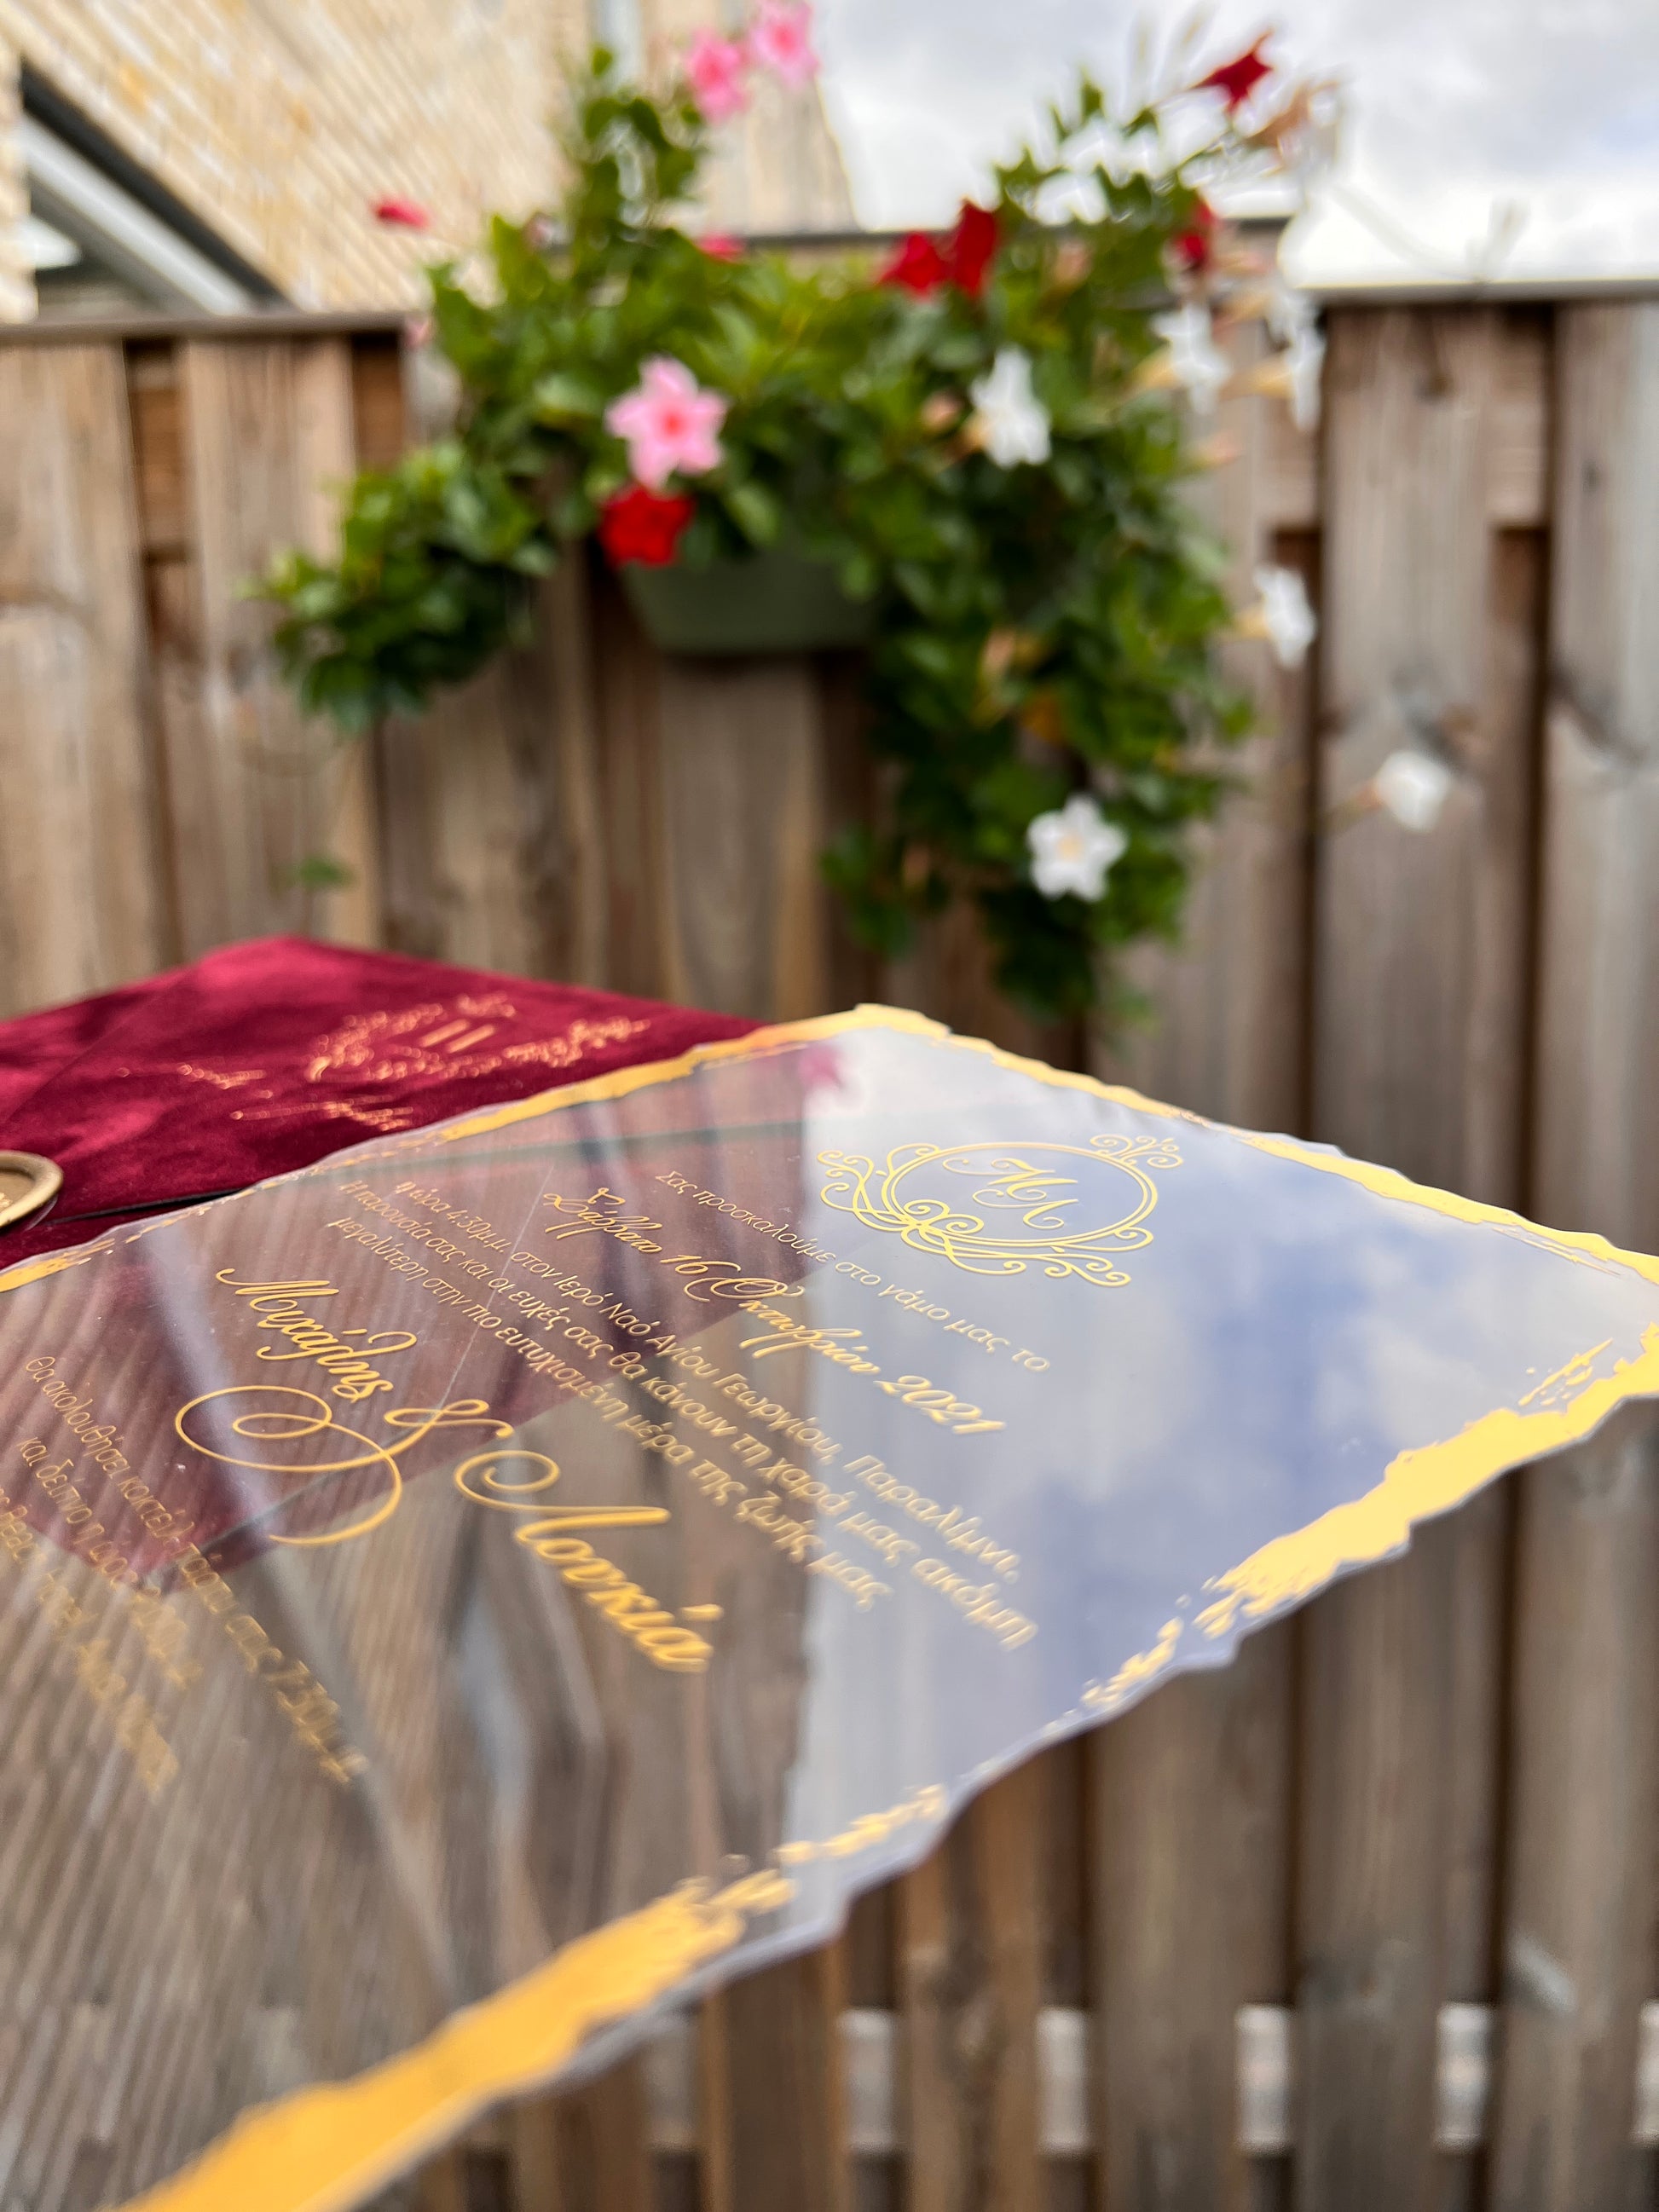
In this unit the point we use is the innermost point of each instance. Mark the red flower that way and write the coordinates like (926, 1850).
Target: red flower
(720, 246)
(921, 264)
(1237, 80)
(402, 214)
(972, 247)
(643, 526)
(918, 266)
(1193, 246)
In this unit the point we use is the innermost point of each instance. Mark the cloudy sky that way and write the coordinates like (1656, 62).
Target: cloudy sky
(1455, 110)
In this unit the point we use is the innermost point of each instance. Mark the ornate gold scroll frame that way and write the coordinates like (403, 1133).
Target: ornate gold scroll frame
(329, 2147)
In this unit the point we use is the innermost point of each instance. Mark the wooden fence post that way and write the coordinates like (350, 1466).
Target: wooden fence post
(1434, 445)
(1190, 1821)
(1580, 1954)
(971, 1977)
(773, 2117)
(588, 2150)
(1225, 1033)
(1190, 1794)
(255, 789)
(83, 901)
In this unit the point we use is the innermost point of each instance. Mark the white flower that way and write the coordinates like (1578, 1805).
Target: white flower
(1414, 787)
(1074, 849)
(1305, 359)
(1289, 310)
(1285, 617)
(1198, 365)
(1295, 373)
(1309, 148)
(1011, 421)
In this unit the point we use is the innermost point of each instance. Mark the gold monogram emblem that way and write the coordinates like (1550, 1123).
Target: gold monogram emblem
(1064, 1208)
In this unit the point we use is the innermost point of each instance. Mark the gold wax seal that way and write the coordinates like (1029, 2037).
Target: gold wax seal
(27, 1181)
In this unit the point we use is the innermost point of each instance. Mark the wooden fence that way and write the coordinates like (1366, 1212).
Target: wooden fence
(1368, 1922)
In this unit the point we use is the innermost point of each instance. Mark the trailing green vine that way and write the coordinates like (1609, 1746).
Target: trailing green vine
(988, 438)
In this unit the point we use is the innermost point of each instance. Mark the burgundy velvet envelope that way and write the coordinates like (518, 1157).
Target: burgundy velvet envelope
(35, 1047)
(265, 1056)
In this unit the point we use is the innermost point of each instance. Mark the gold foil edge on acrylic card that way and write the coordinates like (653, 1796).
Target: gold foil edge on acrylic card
(777, 1036)
(1420, 1484)
(334, 2145)
(49, 1263)
(1383, 1182)
(331, 2146)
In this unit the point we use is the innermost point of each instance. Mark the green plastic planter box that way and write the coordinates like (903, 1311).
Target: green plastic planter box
(773, 602)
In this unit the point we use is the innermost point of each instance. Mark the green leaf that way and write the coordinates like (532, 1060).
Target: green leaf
(320, 872)
(564, 395)
(756, 512)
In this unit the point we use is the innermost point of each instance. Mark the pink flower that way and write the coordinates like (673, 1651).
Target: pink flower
(668, 422)
(781, 40)
(401, 215)
(716, 70)
(720, 246)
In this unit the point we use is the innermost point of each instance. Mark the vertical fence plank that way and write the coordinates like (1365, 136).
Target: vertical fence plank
(1482, 1541)
(1191, 1814)
(587, 2151)
(441, 2184)
(497, 835)
(1420, 1003)
(1190, 1795)
(469, 843)
(1598, 1166)
(1421, 1038)
(773, 2127)
(628, 670)
(380, 412)
(1225, 1032)
(1579, 1949)
(1068, 1875)
(82, 903)
(255, 790)
(1580, 1954)
(1401, 1732)
(710, 785)
(971, 1969)
(869, 1948)
(1371, 1882)
(583, 950)
(327, 414)
(746, 914)
(850, 775)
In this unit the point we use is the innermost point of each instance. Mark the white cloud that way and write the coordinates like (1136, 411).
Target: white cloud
(1454, 108)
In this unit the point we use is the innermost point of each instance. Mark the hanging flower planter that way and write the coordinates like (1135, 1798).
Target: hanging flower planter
(778, 601)
(972, 459)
